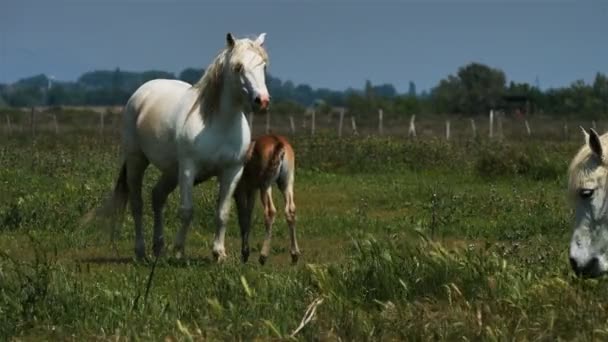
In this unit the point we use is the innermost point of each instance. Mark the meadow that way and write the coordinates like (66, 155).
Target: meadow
(401, 239)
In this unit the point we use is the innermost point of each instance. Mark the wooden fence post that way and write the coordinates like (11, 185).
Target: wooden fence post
(33, 122)
(491, 123)
(340, 122)
(56, 124)
(447, 130)
(9, 127)
(565, 131)
(411, 132)
(292, 125)
(251, 116)
(528, 130)
(380, 118)
(354, 125)
(312, 124)
(474, 128)
(101, 122)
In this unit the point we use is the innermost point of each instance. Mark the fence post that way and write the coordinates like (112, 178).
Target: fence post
(447, 130)
(528, 130)
(340, 122)
(292, 125)
(500, 132)
(380, 117)
(411, 132)
(9, 127)
(593, 125)
(565, 131)
(33, 122)
(56, 124)
(312, 124)
(101, 122)
(491, 123)
(354, 125)
(474, 128)
(267, 122)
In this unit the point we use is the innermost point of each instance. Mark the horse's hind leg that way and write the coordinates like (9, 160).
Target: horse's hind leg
(136, 167)
(165, 185)
(286, 187)
(269, 215)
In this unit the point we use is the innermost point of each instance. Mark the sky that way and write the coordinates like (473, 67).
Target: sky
(325, 43)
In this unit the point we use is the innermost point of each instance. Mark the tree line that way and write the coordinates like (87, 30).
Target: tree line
(473, 90)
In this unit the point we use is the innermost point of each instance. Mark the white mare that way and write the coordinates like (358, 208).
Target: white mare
(588, 185)
(191, 133)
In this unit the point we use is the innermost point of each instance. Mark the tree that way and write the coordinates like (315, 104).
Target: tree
(191, 75)
(474, 90)
(412, 89)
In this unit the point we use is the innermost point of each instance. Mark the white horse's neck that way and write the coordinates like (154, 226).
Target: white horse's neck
(229, 110)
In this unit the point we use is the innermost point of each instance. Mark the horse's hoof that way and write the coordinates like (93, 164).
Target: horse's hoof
(263, 259)
(295, 257)
(158, 249)
(219, 257)
(140, 254)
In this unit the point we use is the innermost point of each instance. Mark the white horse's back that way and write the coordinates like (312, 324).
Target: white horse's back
(150, 120)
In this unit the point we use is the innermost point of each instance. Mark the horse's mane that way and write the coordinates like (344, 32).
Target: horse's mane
(583, 164)
(210, 85)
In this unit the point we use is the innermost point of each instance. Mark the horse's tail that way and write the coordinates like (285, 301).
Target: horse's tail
(113, 207)
(274, 161)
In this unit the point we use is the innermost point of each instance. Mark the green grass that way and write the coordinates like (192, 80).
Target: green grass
(402, 240)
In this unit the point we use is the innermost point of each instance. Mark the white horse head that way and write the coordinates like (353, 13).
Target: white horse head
(239, 69)
(588, 176)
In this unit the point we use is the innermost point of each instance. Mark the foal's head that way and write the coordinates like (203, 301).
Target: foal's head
(588, 175)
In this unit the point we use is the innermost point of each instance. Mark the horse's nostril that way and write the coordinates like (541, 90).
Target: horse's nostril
(257, 100)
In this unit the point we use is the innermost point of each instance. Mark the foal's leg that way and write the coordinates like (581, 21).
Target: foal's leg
(228, 182)
(269, 214)
(245, 201)
(290, 215)
(136, 167)
(165, 185)
(186, 176)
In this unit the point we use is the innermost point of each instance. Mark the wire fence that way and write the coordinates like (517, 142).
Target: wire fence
(496, 125)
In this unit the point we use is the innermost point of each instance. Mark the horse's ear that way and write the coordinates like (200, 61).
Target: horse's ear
(230, 40)
(595, 144)
(260, 39)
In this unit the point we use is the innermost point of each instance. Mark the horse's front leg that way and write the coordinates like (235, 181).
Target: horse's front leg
(228, 181)
(187, 174)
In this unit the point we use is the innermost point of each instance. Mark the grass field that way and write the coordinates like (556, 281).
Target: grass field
(401, 240)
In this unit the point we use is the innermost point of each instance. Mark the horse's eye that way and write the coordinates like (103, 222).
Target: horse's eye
(586, 193)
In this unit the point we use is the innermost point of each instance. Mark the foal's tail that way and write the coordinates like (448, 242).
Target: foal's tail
(274, 162)
(113, 207)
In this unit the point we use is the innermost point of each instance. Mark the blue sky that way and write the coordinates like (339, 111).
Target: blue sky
(325, 43)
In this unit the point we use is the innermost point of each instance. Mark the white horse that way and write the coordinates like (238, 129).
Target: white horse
(588, 185)
(191, 133)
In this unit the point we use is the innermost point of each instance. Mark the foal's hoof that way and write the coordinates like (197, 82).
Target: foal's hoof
(179, 253)
(263, 259)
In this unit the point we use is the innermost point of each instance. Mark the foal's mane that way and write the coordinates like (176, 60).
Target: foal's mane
(210, 85)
